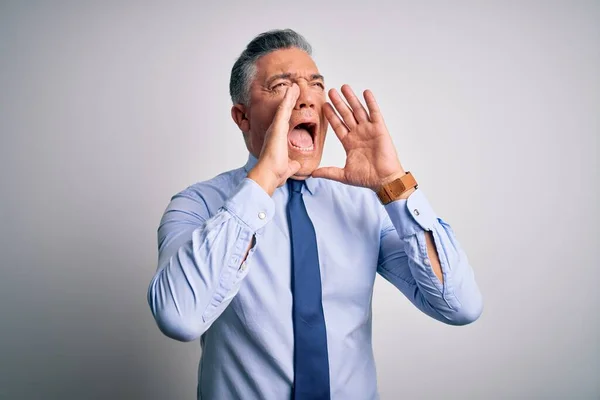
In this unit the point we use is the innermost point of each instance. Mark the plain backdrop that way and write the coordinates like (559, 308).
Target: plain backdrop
(108, 108)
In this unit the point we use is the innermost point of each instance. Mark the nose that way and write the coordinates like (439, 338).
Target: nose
(305, 99)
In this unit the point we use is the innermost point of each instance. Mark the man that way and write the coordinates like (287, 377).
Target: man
(272, 265)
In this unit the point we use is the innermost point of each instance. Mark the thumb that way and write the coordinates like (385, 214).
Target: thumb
(333, 173)
(293, 167)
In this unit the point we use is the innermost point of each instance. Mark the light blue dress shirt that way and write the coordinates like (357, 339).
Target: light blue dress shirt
(242, 311)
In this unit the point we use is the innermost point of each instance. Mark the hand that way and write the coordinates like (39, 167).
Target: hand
(371, 158)
(274, 166)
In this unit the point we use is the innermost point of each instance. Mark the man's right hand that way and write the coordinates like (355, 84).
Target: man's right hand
(274, 166)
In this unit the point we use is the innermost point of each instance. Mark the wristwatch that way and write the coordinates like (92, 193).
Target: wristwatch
(393, 190)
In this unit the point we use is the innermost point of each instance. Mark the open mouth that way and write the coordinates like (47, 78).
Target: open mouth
(302, 136)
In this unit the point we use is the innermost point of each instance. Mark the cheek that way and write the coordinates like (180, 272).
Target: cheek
(263, 114)
(258, 139)
(259, 123)
(265, 118)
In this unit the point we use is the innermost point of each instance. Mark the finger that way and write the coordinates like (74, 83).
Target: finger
(359, 111)
(340, 129)
(343, 109)
(281, 120)
(293, 167)
(333, 173)
(374, 111)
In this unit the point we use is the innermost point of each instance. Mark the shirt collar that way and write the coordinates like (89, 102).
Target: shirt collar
(311, 183)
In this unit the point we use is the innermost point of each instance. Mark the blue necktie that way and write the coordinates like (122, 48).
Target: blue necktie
(311, 363)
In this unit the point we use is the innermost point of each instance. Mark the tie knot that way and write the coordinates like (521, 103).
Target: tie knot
(295, 185)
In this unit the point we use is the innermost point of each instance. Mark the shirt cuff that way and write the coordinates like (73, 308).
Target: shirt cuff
(411, 215)
(251, 205)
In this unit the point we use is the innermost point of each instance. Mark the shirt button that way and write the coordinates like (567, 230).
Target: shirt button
(243, 266)
(416, 212)
(262, 215)
(426, 261)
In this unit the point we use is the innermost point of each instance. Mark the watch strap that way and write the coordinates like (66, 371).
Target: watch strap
(393, 190)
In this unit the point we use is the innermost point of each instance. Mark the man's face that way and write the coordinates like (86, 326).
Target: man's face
(275, 72)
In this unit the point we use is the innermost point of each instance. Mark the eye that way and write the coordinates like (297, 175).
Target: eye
(278, 85)
(321, 85)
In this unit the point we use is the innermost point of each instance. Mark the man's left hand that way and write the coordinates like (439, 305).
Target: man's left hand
(371, 158)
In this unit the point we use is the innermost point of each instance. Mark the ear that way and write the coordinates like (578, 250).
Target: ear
(238, 113)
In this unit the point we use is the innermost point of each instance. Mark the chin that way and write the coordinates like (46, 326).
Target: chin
(307, 167)
(302, 174)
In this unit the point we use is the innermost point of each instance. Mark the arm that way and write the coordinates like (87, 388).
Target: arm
(201, 260)
(419, 253)
(434, 259)
(405, 261)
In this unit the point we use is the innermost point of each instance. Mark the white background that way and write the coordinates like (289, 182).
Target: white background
(107, 109)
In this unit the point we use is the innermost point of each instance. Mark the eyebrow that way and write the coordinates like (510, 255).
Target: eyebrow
(313, 77)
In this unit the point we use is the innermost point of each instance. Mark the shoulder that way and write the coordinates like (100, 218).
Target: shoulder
(211, 193)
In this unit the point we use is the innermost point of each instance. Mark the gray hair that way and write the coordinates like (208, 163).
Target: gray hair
(244, 69)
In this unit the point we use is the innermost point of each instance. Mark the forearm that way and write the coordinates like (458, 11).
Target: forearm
(438, 266)
(200, 271)
(434, 258)
(191, 287)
